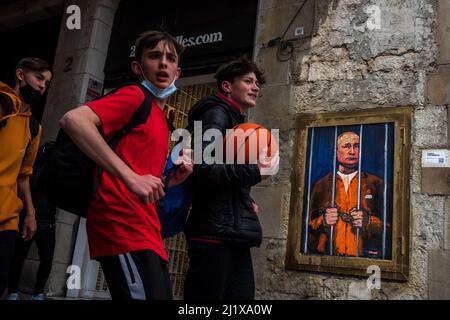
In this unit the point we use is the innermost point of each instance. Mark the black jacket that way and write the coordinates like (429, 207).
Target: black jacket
(45, 210)
(221, 205)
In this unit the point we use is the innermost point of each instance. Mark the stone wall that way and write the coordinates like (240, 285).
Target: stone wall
(343, 65)
(338, 64)
(87, 47)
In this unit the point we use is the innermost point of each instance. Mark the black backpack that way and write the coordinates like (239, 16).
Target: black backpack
(68, 179)
(45, 210)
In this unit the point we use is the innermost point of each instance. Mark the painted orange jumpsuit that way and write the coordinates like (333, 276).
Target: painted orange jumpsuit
(344, 234)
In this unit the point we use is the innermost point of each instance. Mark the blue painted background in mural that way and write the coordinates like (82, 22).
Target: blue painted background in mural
(373, 162)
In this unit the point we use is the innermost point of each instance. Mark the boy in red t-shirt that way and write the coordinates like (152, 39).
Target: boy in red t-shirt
(124, 232)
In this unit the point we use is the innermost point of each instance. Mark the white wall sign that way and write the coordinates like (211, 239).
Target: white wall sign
(436, 158)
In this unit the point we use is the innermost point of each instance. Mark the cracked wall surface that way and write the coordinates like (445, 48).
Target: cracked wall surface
(345, 66)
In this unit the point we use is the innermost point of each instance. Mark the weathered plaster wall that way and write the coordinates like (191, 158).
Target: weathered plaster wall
(346, 66)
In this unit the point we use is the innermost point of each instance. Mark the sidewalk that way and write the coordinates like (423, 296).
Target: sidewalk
(25, 296)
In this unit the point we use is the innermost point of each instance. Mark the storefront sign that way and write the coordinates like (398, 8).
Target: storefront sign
(211, 33)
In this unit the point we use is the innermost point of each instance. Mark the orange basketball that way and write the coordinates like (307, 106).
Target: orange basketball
(245, 142)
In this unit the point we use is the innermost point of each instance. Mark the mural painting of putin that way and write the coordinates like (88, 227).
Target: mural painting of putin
(348, 203)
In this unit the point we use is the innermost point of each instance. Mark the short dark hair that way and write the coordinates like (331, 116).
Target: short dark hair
(34, 64)
(238, 68)
(150, 39)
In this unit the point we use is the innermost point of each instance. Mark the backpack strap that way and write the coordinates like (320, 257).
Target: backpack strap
(170, 125)
(126, 84)
(34, 127)
(140, 116)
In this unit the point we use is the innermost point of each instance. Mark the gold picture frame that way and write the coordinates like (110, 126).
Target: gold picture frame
(381, 192)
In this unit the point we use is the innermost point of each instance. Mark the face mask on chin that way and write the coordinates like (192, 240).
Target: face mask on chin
(29, 94)
(158, 93)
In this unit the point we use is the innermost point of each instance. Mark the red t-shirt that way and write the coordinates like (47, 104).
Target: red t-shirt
(117, 220)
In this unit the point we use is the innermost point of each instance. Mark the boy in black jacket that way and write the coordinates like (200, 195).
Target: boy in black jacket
(223, 224)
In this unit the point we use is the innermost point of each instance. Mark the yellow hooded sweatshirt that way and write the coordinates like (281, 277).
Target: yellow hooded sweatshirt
(17, 155)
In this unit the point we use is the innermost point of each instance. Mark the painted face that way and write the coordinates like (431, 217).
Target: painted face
(348, 149)
(160, 65)
(244, 90)
(38, 80)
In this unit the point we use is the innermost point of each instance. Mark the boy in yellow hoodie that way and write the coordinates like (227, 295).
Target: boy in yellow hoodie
(18, 148)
